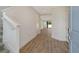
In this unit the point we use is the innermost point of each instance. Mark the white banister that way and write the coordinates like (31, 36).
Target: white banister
(11, 33)
(12, 23)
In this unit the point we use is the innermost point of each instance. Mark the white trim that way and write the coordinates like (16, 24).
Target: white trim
(15, 25)
(71, 28)
(4, 10)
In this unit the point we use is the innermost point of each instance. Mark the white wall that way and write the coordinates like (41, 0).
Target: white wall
(28, 19)
(60, 23)
(59, 19)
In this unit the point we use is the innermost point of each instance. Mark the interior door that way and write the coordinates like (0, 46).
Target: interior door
(74, 37)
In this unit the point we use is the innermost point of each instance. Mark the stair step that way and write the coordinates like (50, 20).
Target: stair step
(0, 40)
(4, 51)
(1, 33)
(1, 30)
(1, 37)
(1, 27)
(1, 45)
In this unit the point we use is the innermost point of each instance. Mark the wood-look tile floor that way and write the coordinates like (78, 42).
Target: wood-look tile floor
(43, 43)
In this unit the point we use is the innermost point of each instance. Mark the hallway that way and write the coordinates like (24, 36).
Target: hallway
(43, 43)
(21, 28)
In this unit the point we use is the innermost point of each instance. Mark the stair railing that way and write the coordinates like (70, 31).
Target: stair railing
(14, 29)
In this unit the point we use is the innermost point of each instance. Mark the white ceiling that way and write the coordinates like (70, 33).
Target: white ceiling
(43, 9)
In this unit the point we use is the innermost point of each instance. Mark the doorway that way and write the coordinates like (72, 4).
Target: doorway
(49, 24)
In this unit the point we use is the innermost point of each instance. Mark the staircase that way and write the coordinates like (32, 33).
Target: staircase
(2, 49)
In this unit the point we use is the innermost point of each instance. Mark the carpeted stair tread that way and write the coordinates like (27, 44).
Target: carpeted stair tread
(1, 45)
(4, 51)
(1, 33)
(1, 29)
(1, 37)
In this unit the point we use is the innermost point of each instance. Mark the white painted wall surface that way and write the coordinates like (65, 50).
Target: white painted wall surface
(60, 23)
(29, 21)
